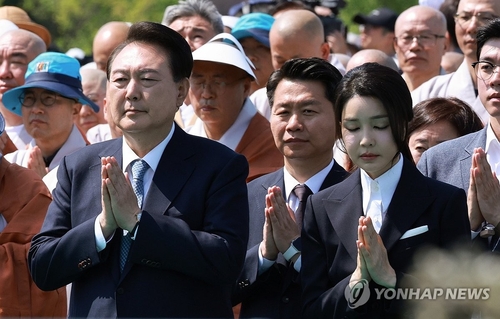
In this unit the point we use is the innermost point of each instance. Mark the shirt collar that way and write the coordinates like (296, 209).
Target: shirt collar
(314, 182)
(233, 135)
(386, 183)
(492, 150)
(152, 158)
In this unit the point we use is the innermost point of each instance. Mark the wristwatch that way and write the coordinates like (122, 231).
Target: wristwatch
(295, 248)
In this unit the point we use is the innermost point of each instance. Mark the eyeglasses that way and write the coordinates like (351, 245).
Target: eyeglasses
(484, 69)
(47, 98)
(464, 18)
(216, 85)
(425, 40)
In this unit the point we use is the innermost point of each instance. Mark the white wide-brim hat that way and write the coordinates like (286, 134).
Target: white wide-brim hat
(225, 49)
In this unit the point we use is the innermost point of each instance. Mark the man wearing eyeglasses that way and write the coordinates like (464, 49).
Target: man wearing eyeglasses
(472, 162)
(220, 84)
(48, 102)
(420, 43)
(471, 14)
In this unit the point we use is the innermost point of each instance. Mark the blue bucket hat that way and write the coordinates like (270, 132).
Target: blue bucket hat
(51, 71)
(255, 25)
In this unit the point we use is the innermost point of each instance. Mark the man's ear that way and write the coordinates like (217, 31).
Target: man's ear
(182, 89)
(447, 41)
(325, 51)
(247, 86)
(76, 108)
(105, 110)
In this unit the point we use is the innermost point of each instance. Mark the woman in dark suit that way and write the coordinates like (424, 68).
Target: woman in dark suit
(360, 235)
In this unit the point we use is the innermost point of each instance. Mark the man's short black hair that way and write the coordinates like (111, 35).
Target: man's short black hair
(169, 40)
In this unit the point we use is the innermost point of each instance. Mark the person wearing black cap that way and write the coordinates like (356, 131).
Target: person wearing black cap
(48, 102)
(377, 30)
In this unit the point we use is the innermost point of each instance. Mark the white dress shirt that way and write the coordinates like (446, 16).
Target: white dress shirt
(314, 183)
(382, 188)
(152, 158)
(492, 150)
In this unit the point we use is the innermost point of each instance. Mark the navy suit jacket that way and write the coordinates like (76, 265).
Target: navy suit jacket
(188, 250)
(329, 237)
(276, 293)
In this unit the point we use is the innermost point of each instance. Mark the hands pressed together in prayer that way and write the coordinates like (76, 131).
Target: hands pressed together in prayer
(484, 192)
(119, 203)
(372, 262)
(280, 228)
(36, 161)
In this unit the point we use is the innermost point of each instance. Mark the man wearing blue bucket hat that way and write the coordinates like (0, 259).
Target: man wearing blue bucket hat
(252, 31)
(48, 102)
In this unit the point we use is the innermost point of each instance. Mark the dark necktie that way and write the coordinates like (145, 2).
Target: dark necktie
(302, 192)
(139, 168)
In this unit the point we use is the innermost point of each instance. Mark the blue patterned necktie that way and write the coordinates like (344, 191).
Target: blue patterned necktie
(139, 168)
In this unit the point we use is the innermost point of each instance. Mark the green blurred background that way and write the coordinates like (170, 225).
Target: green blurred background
(73, 23)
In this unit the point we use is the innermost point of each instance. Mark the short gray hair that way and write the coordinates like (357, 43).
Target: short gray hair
(188, 8)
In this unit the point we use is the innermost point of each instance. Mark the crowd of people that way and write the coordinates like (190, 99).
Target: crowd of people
(258, 165)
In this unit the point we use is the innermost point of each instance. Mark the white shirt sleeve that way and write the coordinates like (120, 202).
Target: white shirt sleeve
(264, 264)
(100, 241)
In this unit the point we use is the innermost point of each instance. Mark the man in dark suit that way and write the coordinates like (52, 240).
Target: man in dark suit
(168, 242)
(468, 162)
(301, 98)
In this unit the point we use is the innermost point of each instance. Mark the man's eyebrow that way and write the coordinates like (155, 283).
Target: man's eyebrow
(141, 71)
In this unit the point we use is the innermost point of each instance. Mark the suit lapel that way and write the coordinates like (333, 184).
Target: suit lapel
(479, 140)
(410, 200)
(336, 175)
(344, 207)
(275, 178)
(173, 170)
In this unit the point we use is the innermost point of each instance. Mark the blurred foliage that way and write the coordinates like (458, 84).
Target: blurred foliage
(73, 23)
(354, 7)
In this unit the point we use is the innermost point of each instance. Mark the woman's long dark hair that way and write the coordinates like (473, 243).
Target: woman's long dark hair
(387, 86)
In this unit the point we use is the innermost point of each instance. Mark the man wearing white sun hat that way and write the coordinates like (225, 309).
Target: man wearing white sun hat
(220, 83)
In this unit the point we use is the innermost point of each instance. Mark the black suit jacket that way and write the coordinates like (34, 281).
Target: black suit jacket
(189, 248)
(276, 293)
(330, 232)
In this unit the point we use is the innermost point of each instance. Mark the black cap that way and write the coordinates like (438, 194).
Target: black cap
(381, 17)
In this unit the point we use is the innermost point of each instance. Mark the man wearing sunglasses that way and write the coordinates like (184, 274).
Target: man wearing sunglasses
(48, 102)
(471, 14)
